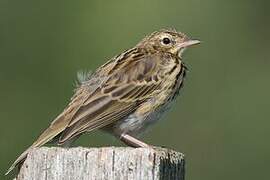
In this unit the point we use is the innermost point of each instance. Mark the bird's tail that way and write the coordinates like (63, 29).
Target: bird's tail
(48, 135)
(57, 127)
(18, 160)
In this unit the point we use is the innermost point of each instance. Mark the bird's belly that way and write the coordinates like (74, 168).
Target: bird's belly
(136, 125)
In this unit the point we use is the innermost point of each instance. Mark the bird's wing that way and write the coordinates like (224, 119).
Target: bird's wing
(113, 92)
(130, 83)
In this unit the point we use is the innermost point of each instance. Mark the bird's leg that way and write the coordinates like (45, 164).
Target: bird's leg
(133, 142)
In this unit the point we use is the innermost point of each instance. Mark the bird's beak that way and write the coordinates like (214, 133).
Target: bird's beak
(179, 48)
(188, 43)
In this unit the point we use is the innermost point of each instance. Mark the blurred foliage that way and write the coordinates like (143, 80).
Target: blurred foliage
(221, 121)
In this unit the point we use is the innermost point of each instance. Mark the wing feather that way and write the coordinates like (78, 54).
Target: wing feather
(127, 87)
(111, 112)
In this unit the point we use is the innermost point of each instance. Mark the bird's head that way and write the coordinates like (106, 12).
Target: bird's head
(169, 41)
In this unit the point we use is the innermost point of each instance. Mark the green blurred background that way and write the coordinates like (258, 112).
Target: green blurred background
(221, 121)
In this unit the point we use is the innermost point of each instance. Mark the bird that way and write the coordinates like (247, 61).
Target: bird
(124, 96)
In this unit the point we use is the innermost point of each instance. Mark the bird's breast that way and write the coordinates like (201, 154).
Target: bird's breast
(151, 111)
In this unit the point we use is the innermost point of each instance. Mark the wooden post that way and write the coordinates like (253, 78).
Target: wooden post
(108, 163)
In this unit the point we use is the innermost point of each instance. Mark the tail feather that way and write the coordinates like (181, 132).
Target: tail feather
(19, 160)
(57, 126)
(44, 138)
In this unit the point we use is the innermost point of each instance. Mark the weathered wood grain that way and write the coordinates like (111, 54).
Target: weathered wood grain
(108, 163)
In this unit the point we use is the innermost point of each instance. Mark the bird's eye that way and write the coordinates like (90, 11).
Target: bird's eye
(166, 41)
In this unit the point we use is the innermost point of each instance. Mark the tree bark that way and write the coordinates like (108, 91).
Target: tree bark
(108, 163)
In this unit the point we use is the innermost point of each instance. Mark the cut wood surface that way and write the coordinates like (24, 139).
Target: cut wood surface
(108, 163)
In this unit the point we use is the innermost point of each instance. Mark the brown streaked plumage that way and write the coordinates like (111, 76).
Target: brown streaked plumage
(125, 95)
